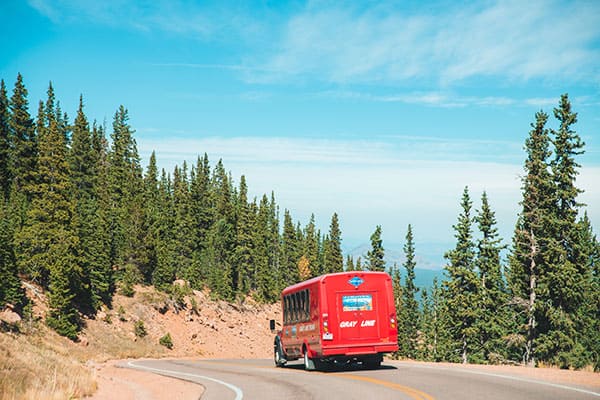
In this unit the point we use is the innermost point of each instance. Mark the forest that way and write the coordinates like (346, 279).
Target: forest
(81, 218)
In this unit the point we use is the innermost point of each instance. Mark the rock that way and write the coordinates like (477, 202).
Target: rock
(180, 282)
(83, 341)
(101, 315)
(10, 317)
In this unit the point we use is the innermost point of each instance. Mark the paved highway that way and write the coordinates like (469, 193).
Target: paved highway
(259, 379)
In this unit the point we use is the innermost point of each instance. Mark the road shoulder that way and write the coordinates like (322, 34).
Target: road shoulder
(116, 383)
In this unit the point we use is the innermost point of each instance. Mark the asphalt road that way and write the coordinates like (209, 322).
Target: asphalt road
(259, 379)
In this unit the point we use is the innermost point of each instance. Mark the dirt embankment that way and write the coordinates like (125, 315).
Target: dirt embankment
(37, 363)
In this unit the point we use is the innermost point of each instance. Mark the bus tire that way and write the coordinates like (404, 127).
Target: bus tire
(278, 355)
(311, 364)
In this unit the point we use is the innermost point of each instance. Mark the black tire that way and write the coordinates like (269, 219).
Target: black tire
(372, 364)
(312, 364)
(278, 355)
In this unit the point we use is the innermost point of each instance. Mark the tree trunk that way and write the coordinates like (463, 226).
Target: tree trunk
(529, 357)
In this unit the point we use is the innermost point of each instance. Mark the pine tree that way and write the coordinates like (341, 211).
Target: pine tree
(11, 291)
(126, 194)
(398, 306)
(5, 144)
(460, 287)
(47, 244)
(289, 252)
(203, 214)
(184, 225)
(350, 263)
(410, 308)
(565, 281)
(24, 140)
(88, 217)
(310, 247)
(164, 273)
(152, 201)
(376, 255)
(589, 313)
(244, 266)
(492, 321)
(334, 262)
(527, 262)
(266, 279)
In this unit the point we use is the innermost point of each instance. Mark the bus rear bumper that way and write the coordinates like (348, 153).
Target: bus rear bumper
(359, 350)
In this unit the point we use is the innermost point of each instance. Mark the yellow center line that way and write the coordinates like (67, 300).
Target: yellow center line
(411, 392)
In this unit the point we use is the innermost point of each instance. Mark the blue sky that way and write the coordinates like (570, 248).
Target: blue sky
(379, 111)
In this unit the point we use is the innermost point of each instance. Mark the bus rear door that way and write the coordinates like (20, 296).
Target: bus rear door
(358, 315)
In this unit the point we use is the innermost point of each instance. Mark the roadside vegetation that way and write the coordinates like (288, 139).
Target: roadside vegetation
(81, 219)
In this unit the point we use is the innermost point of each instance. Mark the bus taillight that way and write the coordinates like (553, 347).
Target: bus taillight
(325, 323)
(393, 321)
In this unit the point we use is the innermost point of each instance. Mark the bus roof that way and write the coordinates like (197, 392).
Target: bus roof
(321, 278)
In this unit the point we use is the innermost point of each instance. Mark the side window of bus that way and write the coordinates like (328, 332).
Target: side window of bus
(296, 307)
(286, 312)
(307, 305)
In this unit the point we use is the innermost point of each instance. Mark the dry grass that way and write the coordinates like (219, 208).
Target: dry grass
(39, 366)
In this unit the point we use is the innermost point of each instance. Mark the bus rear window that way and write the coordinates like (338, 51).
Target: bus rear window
(360, 302)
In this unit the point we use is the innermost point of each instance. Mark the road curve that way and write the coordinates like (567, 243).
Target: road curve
(259, 379)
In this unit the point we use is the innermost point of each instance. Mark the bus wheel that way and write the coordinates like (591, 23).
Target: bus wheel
(278, 353)
(311, 364)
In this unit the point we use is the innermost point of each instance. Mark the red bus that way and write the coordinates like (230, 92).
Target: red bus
(337, 318)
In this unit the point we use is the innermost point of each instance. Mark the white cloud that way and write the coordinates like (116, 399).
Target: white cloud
(510, 39)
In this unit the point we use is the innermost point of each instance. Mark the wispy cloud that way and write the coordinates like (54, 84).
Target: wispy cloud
(394, 182)
(173, 16)
(509, 39)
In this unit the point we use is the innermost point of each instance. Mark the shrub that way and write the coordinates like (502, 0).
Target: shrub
(139, 329)
(166, 341)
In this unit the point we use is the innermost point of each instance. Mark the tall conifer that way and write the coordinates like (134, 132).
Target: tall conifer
(5, 144)
(375, 256)
(460, 286)
(409, 317)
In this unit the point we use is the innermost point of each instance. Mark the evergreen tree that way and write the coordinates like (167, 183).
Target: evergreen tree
(23, 139)
(376, 255)
(244, 267)
(334, 261)
(5, 144)
(126, 194)
(10, 284)
(493, 319)
(266, 279)
(527, 261)
(566, 278)
(203, 214)
(350, 263)
(47, 244)
(398, 305)
(184, 224)
(87, 221)
(311, 247)
(164, 273)
(152, 201)
(289, 252)
(460, 287)
(590, 311)
(410, 308)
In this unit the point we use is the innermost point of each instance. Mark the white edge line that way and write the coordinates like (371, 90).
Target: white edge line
(239, 395)
(514, 378)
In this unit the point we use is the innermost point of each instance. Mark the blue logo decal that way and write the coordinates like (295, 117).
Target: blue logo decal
(356, 282)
